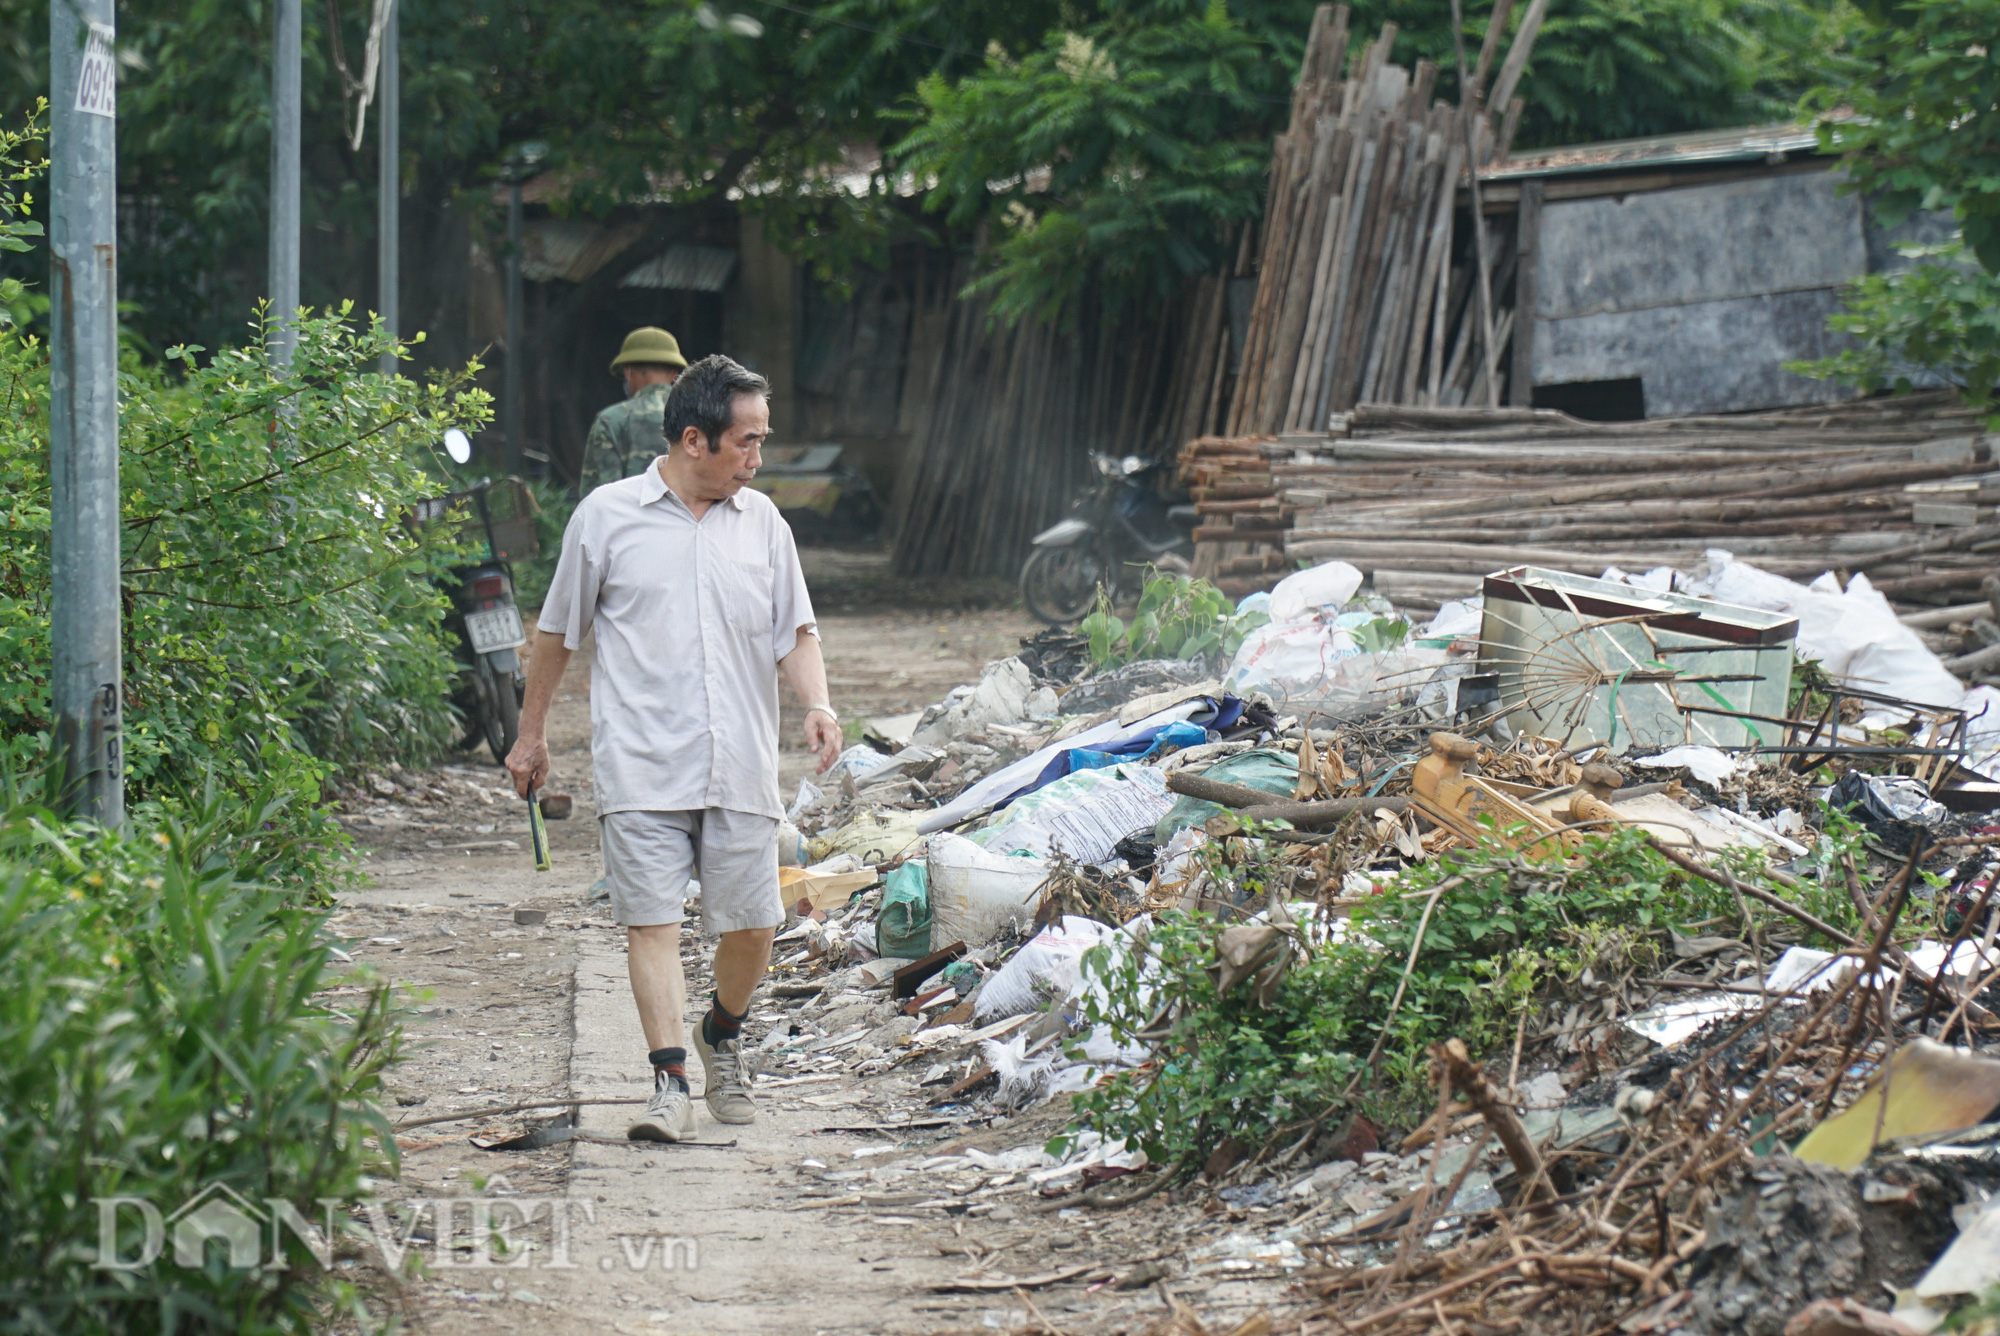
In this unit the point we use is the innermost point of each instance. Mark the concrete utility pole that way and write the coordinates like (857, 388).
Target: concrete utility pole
(389, 187)
(284, 182)
(521, 160)
(510, 372)
(88, 685)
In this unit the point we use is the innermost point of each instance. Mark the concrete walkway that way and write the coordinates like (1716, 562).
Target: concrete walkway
(727, 1244)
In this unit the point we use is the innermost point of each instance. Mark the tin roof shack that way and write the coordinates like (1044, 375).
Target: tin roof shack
(1678, 275)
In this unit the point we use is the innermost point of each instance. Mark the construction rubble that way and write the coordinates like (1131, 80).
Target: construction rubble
(1771, 1122)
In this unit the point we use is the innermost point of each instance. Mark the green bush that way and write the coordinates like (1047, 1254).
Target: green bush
(162, 1033)
(1941, 315)
(1177, 618)
(531, 578)
(280, 620)
(1509, 929)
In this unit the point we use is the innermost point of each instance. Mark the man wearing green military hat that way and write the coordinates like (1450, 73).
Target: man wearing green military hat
(628, 436)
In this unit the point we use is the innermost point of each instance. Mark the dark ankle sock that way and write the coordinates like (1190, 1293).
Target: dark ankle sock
(718, 1025)
(670, 1063)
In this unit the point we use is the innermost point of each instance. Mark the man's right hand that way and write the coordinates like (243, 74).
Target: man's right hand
(528, 763)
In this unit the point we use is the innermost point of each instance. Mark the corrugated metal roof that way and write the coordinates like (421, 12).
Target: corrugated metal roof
(684, 267)
(1703, 146)
(570, 248)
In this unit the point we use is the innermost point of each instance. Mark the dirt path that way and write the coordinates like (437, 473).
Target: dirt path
(753, 1239)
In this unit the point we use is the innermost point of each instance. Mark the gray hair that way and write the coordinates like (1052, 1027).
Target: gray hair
(705, 398)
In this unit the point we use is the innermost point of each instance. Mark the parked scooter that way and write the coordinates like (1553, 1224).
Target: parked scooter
(1114, 531)
(484, 619)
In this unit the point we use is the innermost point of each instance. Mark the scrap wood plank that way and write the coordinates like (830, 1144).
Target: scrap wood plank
(1003, 1283)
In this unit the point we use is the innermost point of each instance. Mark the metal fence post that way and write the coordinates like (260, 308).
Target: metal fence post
(87, 686)
(389, 187)
(510, 370)
(284, 335)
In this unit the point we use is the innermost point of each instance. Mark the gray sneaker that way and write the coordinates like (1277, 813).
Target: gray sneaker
(725, 1076)
(669, 1116)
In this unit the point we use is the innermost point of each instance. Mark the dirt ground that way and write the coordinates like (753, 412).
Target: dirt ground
(767, 1228)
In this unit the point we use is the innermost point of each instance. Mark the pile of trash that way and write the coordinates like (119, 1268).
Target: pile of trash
(949, 875)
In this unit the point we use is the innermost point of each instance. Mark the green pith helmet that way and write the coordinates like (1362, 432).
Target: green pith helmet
(651, 346)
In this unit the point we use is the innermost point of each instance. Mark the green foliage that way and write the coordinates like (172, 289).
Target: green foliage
(160, 1034)
(1622, 69)
(1920, 120)
(1230, 1067)
(1940, 316)
(15, 204)
(1510, 930)
(531, 578)
(1131, 147)
(681, 101)
(1380, 635)
(1130, 141)
(279, 618)
(1177, 618)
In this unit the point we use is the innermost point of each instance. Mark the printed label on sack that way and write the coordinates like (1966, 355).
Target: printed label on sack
(97, 82)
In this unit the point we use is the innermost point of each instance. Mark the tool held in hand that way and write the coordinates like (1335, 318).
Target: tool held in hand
(538, 832)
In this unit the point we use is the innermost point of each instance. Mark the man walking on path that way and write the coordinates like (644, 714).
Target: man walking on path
(694, 588)
(626, 436)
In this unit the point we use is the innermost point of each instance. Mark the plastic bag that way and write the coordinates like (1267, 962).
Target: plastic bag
(1048, 967)
(1853, 633)
(873, 837)
(1329, 584)
(1275, 772)
(1290, 659)
(903, 924)
(974, 894)
(1084, 814)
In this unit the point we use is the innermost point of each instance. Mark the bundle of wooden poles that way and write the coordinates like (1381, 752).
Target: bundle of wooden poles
(1427, 501)
(1010, 413)
(1364, 293)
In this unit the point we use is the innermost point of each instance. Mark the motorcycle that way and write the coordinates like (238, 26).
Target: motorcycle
(1122, 525)
(484, 620)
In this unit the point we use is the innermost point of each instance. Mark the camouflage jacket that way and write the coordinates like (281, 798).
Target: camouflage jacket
(625, 438)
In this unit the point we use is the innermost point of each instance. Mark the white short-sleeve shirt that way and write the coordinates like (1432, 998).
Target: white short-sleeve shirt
(692, 617)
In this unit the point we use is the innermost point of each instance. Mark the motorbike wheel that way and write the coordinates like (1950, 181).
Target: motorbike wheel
(1059, 584)
(499, 710)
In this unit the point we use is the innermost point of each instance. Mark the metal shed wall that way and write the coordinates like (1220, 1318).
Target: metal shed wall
(1701, 292)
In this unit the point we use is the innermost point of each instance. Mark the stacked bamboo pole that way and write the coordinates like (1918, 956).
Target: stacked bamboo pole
(1014, 412)
(1426, 509)
(1365, 292)
(1243, 521)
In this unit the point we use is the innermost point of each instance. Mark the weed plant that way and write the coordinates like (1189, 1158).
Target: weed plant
(164, 1031)
(1511, 931)
(1177, 618)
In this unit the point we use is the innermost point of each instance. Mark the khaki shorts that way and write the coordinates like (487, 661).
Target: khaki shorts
(649, 857)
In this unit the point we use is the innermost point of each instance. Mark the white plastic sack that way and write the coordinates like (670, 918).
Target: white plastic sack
(1982, 729)
(1006, 782)
(1050, 966)
(1084, 814)
(1854, 633)
(974, 894)
(1460, 617)
(860, 761)
(1310, 590)
(1006, 694)
(1289, 660)
(1707, 764)
(1310, 661)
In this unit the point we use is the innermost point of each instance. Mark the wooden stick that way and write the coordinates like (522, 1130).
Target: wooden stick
(1500, 1116)
(499, 1109)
